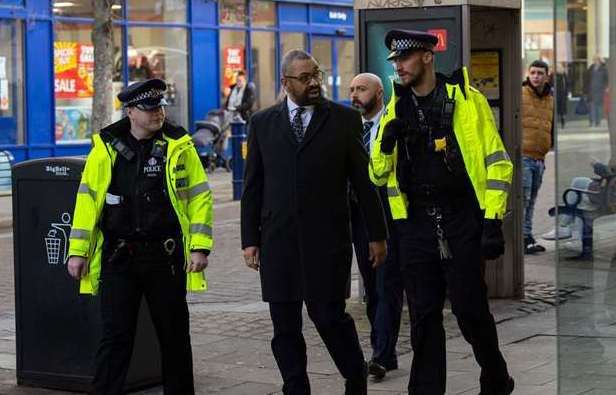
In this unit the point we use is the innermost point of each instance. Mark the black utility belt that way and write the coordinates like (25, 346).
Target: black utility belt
(166, 246)
(446, 205)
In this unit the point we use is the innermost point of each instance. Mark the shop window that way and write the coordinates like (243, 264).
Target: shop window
(263, 67)
(74, 79)
(263, 13)
(232, 12)
(161, 53)
(157, 10)
(322, 52)
(346, 67)
(11, 83)
(232, 58)
(82, 8)
(289, 41)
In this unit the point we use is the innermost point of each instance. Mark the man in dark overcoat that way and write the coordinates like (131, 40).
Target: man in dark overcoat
(302, 154)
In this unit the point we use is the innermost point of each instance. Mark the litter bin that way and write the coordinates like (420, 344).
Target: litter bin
(58, 330)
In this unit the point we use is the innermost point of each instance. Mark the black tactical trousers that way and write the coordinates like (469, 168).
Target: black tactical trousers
(125, 279)
(428, 280)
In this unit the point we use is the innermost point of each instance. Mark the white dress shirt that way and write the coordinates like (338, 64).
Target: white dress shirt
(306, 115)
(375, 126)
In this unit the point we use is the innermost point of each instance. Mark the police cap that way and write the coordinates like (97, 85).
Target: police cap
(145, 95)
(401, 42)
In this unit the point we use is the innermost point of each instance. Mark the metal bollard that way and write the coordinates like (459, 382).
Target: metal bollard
(239, 150)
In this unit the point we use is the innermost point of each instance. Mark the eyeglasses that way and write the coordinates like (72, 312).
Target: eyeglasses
(306, 78)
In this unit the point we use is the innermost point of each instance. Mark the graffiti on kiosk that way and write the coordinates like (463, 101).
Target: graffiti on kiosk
(397, 3)
(56, 240)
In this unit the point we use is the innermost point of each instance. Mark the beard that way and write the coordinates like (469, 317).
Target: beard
(311, 96)
(365, 108)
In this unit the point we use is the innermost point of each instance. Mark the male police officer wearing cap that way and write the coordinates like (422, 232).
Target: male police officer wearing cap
(142, 227)
(447, 175)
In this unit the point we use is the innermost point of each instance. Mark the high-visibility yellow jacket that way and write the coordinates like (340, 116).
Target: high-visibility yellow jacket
(485, 158)
(189, 193)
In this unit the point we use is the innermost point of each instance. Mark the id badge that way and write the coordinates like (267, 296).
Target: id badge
(112, 199)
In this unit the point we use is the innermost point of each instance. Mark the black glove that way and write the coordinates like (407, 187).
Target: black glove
(394, 130)
(492, 239)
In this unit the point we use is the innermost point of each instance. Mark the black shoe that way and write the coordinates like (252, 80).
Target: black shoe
(504, 391)
(509, 387)
(531, 246)
(376, 370)
(356, 387)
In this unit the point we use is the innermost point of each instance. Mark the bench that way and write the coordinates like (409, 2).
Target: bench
(588, 198)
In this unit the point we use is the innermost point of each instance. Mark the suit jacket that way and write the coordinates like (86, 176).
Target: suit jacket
(248, 100)
(295, 204)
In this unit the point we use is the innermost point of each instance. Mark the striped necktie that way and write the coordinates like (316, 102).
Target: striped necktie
(366, 136)
(297, 124)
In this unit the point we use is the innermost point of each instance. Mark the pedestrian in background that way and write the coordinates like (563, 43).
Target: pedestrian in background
(595, 84)
(562, 93)
(142, 227)
(537, 135)
(383, 285)
(242, 97)
(302, 155)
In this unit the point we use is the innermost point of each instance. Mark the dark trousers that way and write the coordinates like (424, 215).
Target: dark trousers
(427, 280)
(125, 279)
(336, 328)
(384, 289)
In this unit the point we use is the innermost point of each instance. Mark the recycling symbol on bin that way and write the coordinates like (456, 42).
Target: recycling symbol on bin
(56, 241)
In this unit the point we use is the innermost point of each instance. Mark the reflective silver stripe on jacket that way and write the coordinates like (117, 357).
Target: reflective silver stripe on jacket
(194, 191)
(201, 228)
(497, 156)
(80, 234)
(392, 192)
(498, 185)
(85, 188)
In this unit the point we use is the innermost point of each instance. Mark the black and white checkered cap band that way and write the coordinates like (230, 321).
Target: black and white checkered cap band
(408, 43)
(152, 93)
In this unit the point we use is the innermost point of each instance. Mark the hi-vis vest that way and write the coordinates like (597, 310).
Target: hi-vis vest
(486, 161)
(189, 193)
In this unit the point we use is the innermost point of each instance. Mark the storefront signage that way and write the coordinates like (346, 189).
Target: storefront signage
(331, 16)
(74, 70)
(441, 46)
(233, 60)
(337, 15)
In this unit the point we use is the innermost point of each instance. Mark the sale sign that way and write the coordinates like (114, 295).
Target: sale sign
(441, 46)
(73, 70)
(233, 60)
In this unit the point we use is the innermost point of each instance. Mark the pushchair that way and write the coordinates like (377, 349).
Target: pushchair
(210, 139)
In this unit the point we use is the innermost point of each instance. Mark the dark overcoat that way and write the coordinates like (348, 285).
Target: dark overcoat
(295, 204)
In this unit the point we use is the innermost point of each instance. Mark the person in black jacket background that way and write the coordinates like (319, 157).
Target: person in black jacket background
(242, 96)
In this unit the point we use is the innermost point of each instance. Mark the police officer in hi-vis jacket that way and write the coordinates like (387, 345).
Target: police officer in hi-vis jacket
(142, 227)
(447, 176)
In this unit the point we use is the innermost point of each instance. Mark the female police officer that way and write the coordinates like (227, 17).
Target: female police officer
(142, 219)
